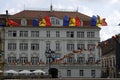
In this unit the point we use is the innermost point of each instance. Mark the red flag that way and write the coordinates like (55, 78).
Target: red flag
(12, 23)
(47, 19)
(104, 23)
(78, 22)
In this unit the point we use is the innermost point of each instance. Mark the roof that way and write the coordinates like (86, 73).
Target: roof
(41, 14)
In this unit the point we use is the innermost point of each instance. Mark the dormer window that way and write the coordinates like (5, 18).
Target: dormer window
(23, 22)
(55, 21)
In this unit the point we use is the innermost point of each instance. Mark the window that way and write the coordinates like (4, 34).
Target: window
(80, 46)
(11, 60)
(70, 59)
(34, 33)
(53, 20)
(12, 33)
(57, 33)
(23, 60)
(23, 22)
(34, 46)
(70, 47)
(11, 46)
(48, 34)
(80, 60)
(90, 34)
(93, 73)
(47, 45)
(57, 46)
(91, 47)
(68, 73)
(70, 34)
(34, 60)
(23, 46)
(80, 34)
(90, 59)
(57, 22)
(23, 33)
(81, 72)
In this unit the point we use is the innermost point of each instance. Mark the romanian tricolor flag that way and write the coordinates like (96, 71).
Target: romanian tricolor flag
(72, 22)
(97, 21)
(12, 23)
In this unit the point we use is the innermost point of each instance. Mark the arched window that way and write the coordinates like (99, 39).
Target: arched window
(23, 22)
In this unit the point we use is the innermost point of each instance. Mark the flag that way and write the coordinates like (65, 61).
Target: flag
(47, 19)
(42, 23)
(104, 23)
(12, 23)
(78, 22)
(3, 24)
(72, 22)
(35, 22)
(65, 21)
(99, 21)
(93, 21)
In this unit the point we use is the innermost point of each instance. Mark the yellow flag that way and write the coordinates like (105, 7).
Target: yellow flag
(72, 22)
(42, 23)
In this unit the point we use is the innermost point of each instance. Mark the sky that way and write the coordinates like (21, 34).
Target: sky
(108, 9)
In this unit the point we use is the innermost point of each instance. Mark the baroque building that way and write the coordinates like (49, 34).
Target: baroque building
(110, 52)
(76, 53)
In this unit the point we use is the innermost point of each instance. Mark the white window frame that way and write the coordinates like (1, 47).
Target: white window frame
(70, 47)
(34, 33)
(47, 33)
(57, 46)
(90, 34)
(80, 34)
(23, 46)
(34, 46)
(57, 33)
(12, 46)
(12, 33)
(11, 60)
(23, 33)
(70, 34)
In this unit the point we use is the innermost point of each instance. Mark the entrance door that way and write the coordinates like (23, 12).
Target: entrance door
(53, 72)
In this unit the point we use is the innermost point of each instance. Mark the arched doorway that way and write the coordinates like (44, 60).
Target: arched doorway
(53, 72)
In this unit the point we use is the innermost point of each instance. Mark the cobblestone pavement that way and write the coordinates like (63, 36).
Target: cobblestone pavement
(69, 79)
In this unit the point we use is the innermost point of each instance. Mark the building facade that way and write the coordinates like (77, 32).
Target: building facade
(110, 57)
(2, 19)
(76, 53)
